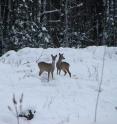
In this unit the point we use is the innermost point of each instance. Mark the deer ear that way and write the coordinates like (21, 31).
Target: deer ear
(51, 55)
(56, 55)
(59, 54)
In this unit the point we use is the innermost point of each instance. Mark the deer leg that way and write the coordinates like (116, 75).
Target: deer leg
(64, 72)
(40, 72)
(52, 74)
(69, 72)
(59, 71)
(48, 76)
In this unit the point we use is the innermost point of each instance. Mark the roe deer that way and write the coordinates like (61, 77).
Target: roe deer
(64, 66)
(48, 67)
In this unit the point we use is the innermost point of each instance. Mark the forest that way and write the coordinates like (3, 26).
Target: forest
(57, 23)
(61, 56)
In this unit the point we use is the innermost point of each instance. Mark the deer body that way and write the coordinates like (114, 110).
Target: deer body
(64, 66)
(48, 67)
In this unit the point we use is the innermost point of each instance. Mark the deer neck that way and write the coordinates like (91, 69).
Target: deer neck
(59, 61)
(53, 64)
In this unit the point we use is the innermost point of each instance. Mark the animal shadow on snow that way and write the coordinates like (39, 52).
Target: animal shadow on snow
(44, 80)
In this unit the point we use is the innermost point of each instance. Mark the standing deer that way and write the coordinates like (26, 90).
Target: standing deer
(64, 66)
(48, 67)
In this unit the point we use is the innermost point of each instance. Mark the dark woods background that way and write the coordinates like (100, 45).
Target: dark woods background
(57, 23)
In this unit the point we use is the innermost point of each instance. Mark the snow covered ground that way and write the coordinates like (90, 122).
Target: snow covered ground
(63, 100)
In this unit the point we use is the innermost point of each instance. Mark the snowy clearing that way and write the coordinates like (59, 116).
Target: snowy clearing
(63, 100)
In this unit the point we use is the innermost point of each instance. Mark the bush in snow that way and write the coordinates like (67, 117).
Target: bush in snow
(28, 114)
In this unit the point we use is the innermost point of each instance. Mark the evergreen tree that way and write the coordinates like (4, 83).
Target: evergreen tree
(55, 23)
(26, 31)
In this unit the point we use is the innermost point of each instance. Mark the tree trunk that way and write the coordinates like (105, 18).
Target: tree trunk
(39, 12)
(66, 23)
